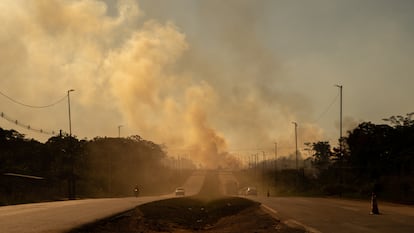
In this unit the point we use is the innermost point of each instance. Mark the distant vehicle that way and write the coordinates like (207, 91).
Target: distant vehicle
(179, 191)
(251, 191)
(248, 191)
(136, 191)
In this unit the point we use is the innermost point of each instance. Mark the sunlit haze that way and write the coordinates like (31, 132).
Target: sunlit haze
(206, 78)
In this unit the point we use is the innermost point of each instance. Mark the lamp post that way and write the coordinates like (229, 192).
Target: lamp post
(264, 174)
(340, 136)
(119, 130)
(296, 143)
(71, 180)
(275, 163)
(70, 122)
(340, 119)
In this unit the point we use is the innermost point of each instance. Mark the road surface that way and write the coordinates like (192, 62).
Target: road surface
(340, 216)
(58, 217)
(335, 215)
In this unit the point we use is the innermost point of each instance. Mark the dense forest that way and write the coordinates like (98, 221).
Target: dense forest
(65, 167)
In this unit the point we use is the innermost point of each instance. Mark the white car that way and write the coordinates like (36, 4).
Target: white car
(179, 191)
(251, 191)
(246, 191)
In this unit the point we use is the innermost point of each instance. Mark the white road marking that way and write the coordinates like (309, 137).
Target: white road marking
(289, 222)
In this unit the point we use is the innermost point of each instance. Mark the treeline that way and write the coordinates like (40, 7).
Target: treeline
(65, 167)
(371, 158)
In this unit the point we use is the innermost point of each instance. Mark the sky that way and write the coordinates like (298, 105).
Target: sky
(205, 78)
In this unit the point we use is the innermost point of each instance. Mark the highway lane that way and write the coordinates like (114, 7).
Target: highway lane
(193, 184)
(226, 178)
(65, 215)
(332, 215)
(339, 215)
(57, 217)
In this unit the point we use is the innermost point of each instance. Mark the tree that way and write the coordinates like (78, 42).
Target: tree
(398, 121)
(322, 154)
(370, 149)
(402, 144)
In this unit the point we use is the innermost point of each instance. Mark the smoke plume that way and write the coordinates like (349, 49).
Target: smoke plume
(128, 69)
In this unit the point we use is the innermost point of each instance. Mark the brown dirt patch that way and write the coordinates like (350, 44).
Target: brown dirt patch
(184, 215)
(207, 212)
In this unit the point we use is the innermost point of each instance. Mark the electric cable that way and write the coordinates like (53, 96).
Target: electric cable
(28, 127)
(33, 106)
(327, 109)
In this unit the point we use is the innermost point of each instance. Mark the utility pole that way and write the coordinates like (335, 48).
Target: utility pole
(119, 130)
(275, 164)
(263, 171)
(296, 143)
(70, 121)
(340, 120)
(256, 160)
(71, 180)
(264, 160)
(340, 136)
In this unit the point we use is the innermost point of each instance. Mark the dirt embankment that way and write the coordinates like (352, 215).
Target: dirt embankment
(208, 212)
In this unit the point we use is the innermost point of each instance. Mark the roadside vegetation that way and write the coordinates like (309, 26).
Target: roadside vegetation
(372, 158)
(65, 167)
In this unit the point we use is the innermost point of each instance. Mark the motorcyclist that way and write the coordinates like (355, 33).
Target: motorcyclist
(136, 191)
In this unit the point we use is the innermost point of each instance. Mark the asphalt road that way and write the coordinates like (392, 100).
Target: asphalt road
(330, 215)
(315, 214)
(339, 215)
(58, 217)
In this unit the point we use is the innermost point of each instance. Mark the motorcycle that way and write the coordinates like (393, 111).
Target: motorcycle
(136, 191)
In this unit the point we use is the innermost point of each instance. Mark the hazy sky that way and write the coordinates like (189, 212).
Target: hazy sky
(211, 75)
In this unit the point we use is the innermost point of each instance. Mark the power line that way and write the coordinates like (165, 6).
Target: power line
(28, 127)
(327, 109)
(32, 106)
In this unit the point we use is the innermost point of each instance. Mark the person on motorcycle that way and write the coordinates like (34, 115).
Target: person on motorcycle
(136, 191)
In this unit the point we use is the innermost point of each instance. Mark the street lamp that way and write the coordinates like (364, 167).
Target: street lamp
(340, 135)
(264, 173)
(296, 143)
(70, 123)
(119, 130)
(275, 163)
(71, 180)
(340, 119)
